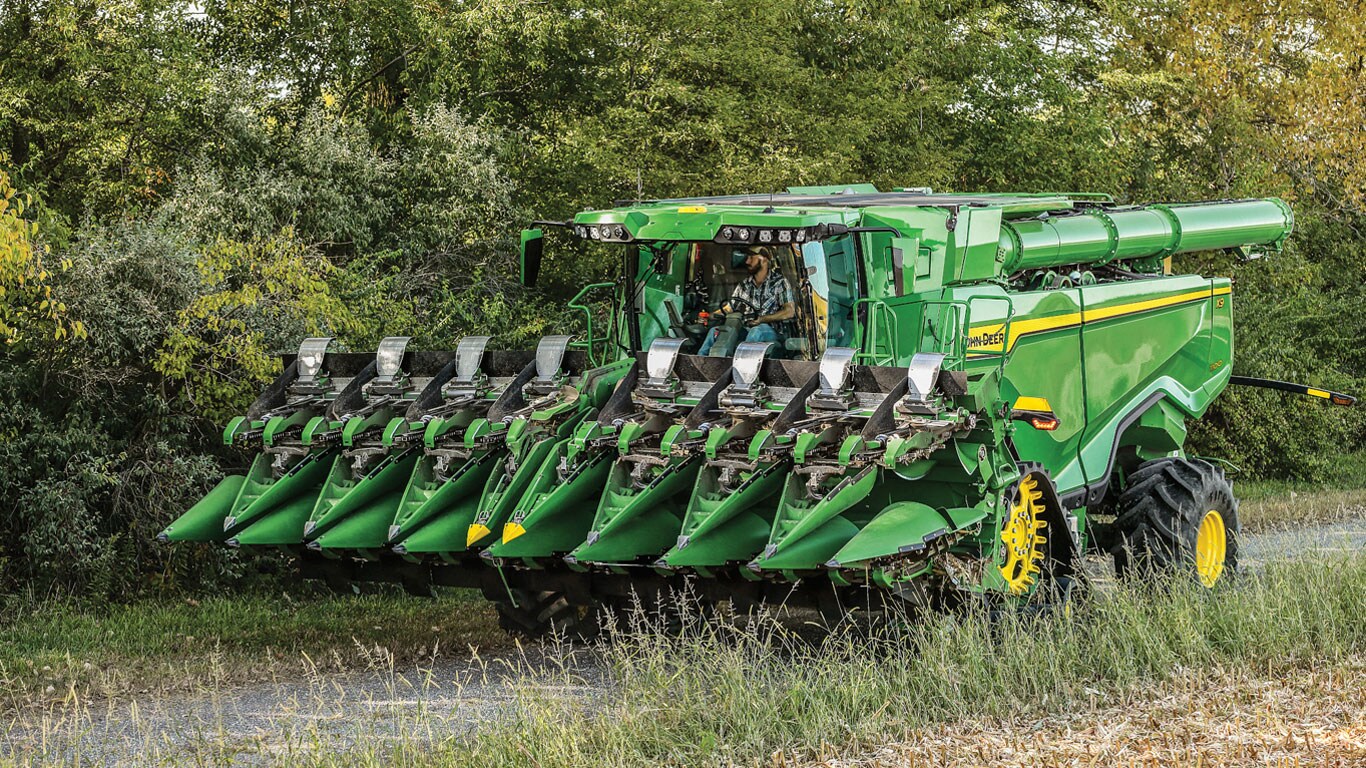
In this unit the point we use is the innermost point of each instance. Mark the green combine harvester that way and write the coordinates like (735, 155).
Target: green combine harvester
(833, 397)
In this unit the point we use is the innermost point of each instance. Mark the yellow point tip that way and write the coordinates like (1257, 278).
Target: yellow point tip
(476, 532)
(512, 531)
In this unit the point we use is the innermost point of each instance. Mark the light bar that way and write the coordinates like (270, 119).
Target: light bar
(738, 234)
(607, 232)
(730, 234)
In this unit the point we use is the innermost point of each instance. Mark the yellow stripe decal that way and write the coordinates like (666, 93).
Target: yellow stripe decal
(1105, 313)
(1317, 393)
(981, 339)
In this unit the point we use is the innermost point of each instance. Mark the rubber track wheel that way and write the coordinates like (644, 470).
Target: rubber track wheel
(539, 615)
(1158, 517)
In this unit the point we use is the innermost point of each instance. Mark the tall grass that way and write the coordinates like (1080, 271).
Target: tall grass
(723, 695)
(718, 693)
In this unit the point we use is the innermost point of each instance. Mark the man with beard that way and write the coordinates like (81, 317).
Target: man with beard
(766, 292)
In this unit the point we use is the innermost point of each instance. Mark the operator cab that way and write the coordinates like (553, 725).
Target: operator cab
(821, 276)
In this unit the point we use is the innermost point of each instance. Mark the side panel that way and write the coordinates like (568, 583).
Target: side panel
(661, 288)
(1141, 338)
(1044, 345)
(1221, 340)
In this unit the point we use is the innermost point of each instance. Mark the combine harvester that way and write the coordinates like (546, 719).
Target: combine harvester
(953, 395)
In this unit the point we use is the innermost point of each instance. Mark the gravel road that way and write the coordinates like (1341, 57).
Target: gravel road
(253, 724)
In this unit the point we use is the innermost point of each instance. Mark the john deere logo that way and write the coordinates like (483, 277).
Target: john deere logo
(993, 339)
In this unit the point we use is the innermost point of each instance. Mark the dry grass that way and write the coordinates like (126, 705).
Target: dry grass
(1208, 718)
(1300, 508)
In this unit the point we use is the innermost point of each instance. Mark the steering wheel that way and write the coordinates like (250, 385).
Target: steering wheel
(752, 312)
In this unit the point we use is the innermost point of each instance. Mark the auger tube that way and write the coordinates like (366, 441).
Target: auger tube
(1153, 231)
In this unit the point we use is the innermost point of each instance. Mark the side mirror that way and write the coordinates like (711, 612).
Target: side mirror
(533, 246)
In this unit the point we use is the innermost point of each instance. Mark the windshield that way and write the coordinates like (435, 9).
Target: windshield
(834, 288)
(817, 279)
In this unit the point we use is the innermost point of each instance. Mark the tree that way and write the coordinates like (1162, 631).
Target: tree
(99, 98)
(1245, 98)
(27, 306)
(256, 297)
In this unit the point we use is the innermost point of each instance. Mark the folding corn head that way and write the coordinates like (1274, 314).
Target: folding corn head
(955, 395)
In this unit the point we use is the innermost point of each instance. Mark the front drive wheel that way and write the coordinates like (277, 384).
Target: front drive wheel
(548, 615)
(1177, 517)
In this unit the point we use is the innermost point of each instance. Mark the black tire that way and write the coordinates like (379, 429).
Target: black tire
(1159, 515)
(542, 615)
(418, 584)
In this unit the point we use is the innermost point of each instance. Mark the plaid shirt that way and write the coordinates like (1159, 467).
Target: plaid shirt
(769, 296)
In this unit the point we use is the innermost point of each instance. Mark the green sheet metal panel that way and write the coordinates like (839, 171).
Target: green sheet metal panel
(1044, 344)
(1140, 338)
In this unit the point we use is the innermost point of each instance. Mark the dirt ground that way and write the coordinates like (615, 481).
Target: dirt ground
(1311, 719)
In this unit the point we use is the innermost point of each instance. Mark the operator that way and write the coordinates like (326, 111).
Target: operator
(765, 291)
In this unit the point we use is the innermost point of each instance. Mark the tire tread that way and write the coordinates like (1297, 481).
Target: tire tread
(1158, 516)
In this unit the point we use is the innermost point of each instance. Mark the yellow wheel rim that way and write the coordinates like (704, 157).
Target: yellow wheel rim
(1023, 539)
(1211, 547)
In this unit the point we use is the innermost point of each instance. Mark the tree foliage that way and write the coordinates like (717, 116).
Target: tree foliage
(201, 185)
(27, 306)
(255, 297)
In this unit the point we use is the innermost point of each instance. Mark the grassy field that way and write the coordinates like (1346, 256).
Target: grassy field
(1276, 504)
(1280, 651)
(54, 651)
(1271, 668)
(722, 696)
(50, 651)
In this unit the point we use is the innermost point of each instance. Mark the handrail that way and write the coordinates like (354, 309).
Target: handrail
(879, 308)
(1004, 353)
(587, 343)
(956, 336)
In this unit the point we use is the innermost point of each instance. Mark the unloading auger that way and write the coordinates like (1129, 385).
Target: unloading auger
(937, 397)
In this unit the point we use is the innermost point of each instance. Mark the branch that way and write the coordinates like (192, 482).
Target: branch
(347, 98)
